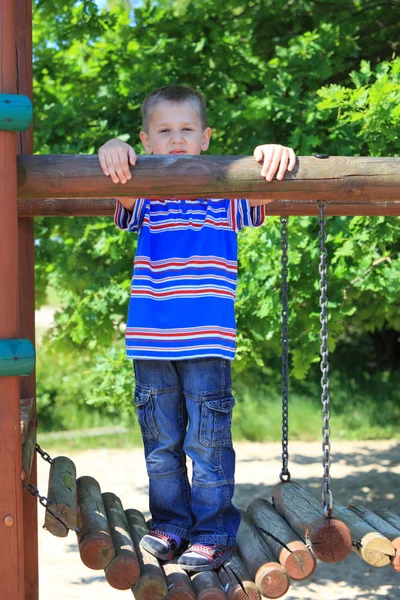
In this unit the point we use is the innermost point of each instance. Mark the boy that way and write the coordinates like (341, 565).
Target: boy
(181, 332)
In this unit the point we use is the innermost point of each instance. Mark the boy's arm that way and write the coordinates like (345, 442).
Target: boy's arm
(128, 203)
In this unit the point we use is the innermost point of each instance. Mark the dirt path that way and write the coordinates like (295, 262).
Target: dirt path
(367, 472)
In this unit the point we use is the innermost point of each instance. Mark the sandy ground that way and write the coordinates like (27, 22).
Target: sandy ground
(367, 472)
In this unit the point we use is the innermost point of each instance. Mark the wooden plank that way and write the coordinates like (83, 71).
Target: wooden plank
(11, 510)
(26, 416)
(104, 207)
(342, 180)
(23, 30)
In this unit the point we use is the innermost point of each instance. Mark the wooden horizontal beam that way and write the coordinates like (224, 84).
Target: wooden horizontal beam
(74, 185)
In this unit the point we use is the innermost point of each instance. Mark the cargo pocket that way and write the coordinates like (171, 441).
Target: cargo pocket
(216, 421)
(145, 412)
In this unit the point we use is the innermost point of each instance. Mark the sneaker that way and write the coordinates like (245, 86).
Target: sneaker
(201, 557)
(160, 544)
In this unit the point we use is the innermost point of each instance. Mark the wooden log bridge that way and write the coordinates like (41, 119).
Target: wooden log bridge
(74, 185)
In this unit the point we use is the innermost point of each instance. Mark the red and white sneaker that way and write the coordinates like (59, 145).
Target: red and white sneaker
(160, 544)
(201, 557)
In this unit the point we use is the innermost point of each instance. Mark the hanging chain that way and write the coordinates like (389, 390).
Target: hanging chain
(285, 474)
(43, 454)
(327, 499)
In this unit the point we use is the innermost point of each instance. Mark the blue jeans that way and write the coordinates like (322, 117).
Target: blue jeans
(184, 408)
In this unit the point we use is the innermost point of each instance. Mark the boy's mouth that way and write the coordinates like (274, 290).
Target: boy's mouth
(178, 152)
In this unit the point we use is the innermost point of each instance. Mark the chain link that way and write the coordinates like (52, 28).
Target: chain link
(327, 499)
(43, 454)
(33, 490)
(285, 474)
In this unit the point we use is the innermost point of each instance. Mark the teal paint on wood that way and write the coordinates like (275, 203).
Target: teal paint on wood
(17, 357)
(15, 112)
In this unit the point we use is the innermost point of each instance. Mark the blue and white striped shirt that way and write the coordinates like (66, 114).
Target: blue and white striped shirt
(184, 276)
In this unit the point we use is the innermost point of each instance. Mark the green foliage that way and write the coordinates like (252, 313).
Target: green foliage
(317, 76)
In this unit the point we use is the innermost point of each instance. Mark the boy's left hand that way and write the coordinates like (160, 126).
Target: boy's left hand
(276, 159)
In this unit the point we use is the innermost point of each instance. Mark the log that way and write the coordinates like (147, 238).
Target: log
(329, 539)
(26, 416)
(151, 584)
(178, 582)
(207, 586)
(236, 580)
(268, 575)
(385, 528)
(390, 516)
(28, 451)
(123, 571)
(94, 536)
(374, 548)
(61, 515)
(285, 544)
(368, 183)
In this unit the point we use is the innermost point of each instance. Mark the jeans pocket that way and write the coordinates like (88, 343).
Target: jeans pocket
(216, 421)
(145, 412)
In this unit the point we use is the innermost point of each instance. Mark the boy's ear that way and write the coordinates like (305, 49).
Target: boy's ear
(206, 138)
(146, 142)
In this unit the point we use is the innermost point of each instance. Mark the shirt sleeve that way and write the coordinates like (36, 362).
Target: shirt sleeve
(242, 215)
(129, 220)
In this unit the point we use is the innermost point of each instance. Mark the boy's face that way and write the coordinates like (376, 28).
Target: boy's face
(175, 128)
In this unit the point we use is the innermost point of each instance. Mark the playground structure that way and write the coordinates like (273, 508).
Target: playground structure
(75, 186)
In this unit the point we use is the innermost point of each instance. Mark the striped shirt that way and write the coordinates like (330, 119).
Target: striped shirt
(184, 276)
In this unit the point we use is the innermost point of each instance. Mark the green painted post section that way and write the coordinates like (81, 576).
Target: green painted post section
(17, 357)
(15, 112)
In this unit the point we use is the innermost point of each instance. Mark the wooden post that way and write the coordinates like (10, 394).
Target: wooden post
(23, 29)
(11, 509)
(348, 185)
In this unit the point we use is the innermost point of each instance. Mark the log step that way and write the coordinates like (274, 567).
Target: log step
(151, 584)
(330, 539)
(61, 514)
(178, 582)
(123, 571)
(374, 548)
(284, 543)
(236, 580)
(207, 586)
(94, 538)
(385, 528)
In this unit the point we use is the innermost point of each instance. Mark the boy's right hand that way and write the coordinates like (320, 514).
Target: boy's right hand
(115, 156)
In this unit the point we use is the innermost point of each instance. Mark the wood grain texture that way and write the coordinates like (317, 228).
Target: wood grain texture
(151, 584)
(61, 515)
(285, 544)
(207, 586)
(349, 185)
(27, 408)
(94, 538)
(268, 575)
(374, 548)
(236, 580)
(330, 539)
(385, 528)
(123, 571)
(178, 582)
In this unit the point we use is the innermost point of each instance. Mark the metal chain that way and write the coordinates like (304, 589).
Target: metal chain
(33, 490)
(327, 499)
(43, 454)
(285, 474)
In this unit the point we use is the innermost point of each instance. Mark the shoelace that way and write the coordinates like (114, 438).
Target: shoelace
(164, 535)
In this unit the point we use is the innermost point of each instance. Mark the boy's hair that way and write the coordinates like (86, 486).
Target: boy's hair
(174, 93)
